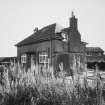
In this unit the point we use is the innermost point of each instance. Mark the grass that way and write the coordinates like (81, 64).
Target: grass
(40, 87)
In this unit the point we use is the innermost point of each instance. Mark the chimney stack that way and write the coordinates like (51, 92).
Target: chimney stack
(73, 22)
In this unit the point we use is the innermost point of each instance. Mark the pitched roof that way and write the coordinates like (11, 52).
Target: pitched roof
(44, 34)
(96, 58)
(94, 49)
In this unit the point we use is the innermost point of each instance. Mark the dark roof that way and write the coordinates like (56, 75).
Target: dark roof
(44, 34)
(94, 49)
(96, 58)
(2, 58)
(7, 59)
(66, 29)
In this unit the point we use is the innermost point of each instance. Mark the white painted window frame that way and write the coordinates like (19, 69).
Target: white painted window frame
(65, 36)
(23, 58)
(43, 57)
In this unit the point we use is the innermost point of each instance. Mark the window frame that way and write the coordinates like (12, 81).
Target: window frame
(43, 57)
(65, 37)
(24, 58)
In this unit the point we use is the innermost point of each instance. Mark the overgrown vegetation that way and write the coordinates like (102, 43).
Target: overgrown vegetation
(39, 87)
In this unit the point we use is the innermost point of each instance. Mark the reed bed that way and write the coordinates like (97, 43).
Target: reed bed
(39, 86)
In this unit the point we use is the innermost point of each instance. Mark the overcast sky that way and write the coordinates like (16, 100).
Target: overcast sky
(18, 18)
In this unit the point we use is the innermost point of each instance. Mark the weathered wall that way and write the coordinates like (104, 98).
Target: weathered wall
(32, 48)
(57, 46)
(74, 41)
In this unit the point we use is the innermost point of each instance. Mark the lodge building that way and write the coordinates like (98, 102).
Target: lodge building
(53, 45)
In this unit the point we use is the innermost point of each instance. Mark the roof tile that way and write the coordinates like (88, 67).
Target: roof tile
(94, 49)
(44, 34)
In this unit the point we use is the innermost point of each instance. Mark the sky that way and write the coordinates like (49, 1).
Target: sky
(18, 18)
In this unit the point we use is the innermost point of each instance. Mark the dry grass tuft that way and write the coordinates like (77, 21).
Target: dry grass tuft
(38, 86)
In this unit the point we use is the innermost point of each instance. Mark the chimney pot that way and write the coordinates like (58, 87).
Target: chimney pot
(36, 29)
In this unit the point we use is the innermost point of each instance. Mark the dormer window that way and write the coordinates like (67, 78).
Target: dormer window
(65, 37)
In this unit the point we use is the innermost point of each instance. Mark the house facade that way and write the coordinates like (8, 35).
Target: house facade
(54, 46)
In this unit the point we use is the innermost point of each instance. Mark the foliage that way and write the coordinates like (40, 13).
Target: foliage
(38, 86)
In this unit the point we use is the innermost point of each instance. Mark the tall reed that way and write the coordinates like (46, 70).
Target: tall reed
(38, 86)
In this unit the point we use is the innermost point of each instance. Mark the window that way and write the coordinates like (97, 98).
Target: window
(43, 57)
(23, 58)
(65, 37)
